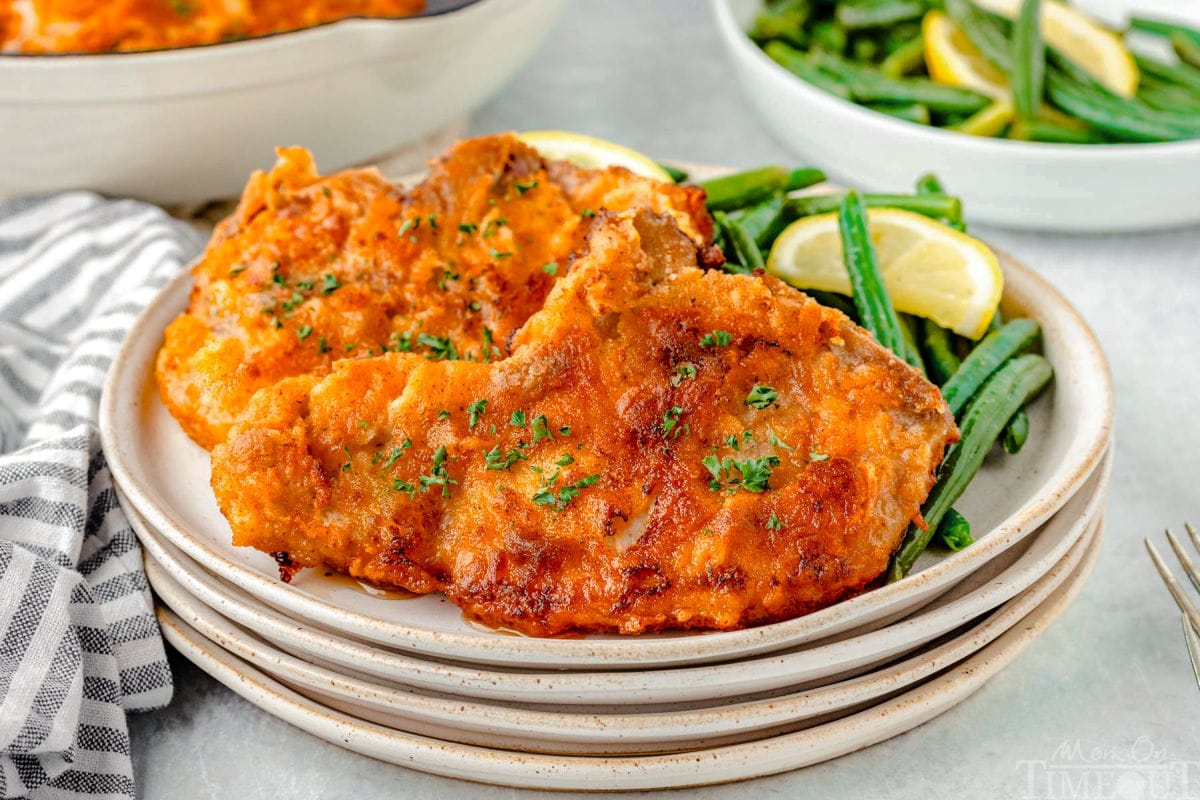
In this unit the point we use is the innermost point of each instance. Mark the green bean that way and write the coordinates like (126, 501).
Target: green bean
(935, 206)
(1029, 61)
(1007, 390)
(904, 60)
(1187, 48)
(913, 112)
(1113, 120)
(878, 14)
(829, 36)
(677, 175)
(869, 292)
(864, 48)
(954, 531)
(1040, 130)
(1016, 432)
(899, 35)
(1168, 96)
(1160, 27)
(912, 353)
(987, 357)
(869, 85)
(804, 177)
(742, 189)
(929, 183)
(763, 221)
(795, 62)
(985, 31)
(747, 252)
(782, 21)
(940, 358)
(1178, 74)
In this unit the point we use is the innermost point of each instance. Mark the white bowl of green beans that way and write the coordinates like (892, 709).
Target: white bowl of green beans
(1106, 184)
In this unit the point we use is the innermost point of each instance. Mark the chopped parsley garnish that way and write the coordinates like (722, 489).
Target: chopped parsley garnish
(404, 486)
(443, 414)
(498, 254)
(817, 456)
(437, 476)
(279, 279)
(492, 226)
(475, 411)
(541, 429)
(236, 270)
(565, 460)
(775, 441)
(775, 523)
(474, 305)
(433, 220)
(587, 213)
(522, 188)
(517, 420)
(346, 466)
(293, 301)
(305, 285)
(362, 423)
(330, 284)
(304, 331)
(403, 342)
(396, 453)
(670, 423)
(565, 430)
(683, 372)
(546, 496)
(716, 339)
(497, 459)
(761, 397)
(551, 268)
(439, 347)
(322, 346)
(467, 227)
(752, 474)
(409, 225)
(733, 441)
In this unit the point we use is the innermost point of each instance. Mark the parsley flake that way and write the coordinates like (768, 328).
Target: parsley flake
(522, 188)
(304, 331)
(437, 476)
(330, 284)
(761, 397)
(716, 339)
(551, 268)
(775, 523)
(404, 486)
(817, 456)
(475, 411)
(517, 420)
(541, 429)
(670, 423)
(752, 474)
(497, 459)
(440, 347)
(775, 441)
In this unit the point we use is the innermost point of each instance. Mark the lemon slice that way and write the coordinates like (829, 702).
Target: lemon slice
(930, 269)
(954, 60)
(592, 153)
(1097, 50)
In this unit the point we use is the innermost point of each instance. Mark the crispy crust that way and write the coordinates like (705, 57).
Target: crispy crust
(648, 544)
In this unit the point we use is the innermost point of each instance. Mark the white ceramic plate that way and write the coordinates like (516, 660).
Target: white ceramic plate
(1012, 496)
(613, 730)
(717, 765)
(189, 125)
(999, 580)
(1102, 188)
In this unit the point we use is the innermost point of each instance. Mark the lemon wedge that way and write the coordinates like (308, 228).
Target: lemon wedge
(1097, 50)
(954, 60)
(930, 269)
(592, 153)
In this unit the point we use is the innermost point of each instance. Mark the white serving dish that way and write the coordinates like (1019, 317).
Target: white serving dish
(1082, 188)
(190, 124)
(753, 759)
(1011, 498)
(609, 730)
(1004, 577)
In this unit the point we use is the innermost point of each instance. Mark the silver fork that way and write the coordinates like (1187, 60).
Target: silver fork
(1191, 616)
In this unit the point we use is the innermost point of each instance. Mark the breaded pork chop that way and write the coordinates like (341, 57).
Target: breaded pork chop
(667, 447)
(310, 270)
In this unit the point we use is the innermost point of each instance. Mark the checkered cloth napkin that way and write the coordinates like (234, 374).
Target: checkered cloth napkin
(79, 645)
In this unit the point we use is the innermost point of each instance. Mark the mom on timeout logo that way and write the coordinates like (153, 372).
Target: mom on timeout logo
(1078, 770)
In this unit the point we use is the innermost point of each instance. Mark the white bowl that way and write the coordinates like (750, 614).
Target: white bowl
(1118, 187)
(190, 124)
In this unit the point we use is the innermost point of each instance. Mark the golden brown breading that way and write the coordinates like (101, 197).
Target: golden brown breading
(309, 270)
(667, 447)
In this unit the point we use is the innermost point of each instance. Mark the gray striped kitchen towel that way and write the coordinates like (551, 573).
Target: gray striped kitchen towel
(79, 645)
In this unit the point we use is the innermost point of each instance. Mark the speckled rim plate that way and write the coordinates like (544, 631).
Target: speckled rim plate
(596, 773)
(165, 476)
(612, 730)
(997, 582)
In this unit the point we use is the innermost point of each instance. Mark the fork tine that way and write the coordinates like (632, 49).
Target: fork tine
(1185, 560)
(1193, 646)
(1191, 532)
(1173, 586)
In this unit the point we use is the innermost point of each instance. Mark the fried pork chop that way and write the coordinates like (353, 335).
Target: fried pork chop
(310, 270)
(666, 447)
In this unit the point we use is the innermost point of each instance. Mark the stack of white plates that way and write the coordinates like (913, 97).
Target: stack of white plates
(411, 682)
